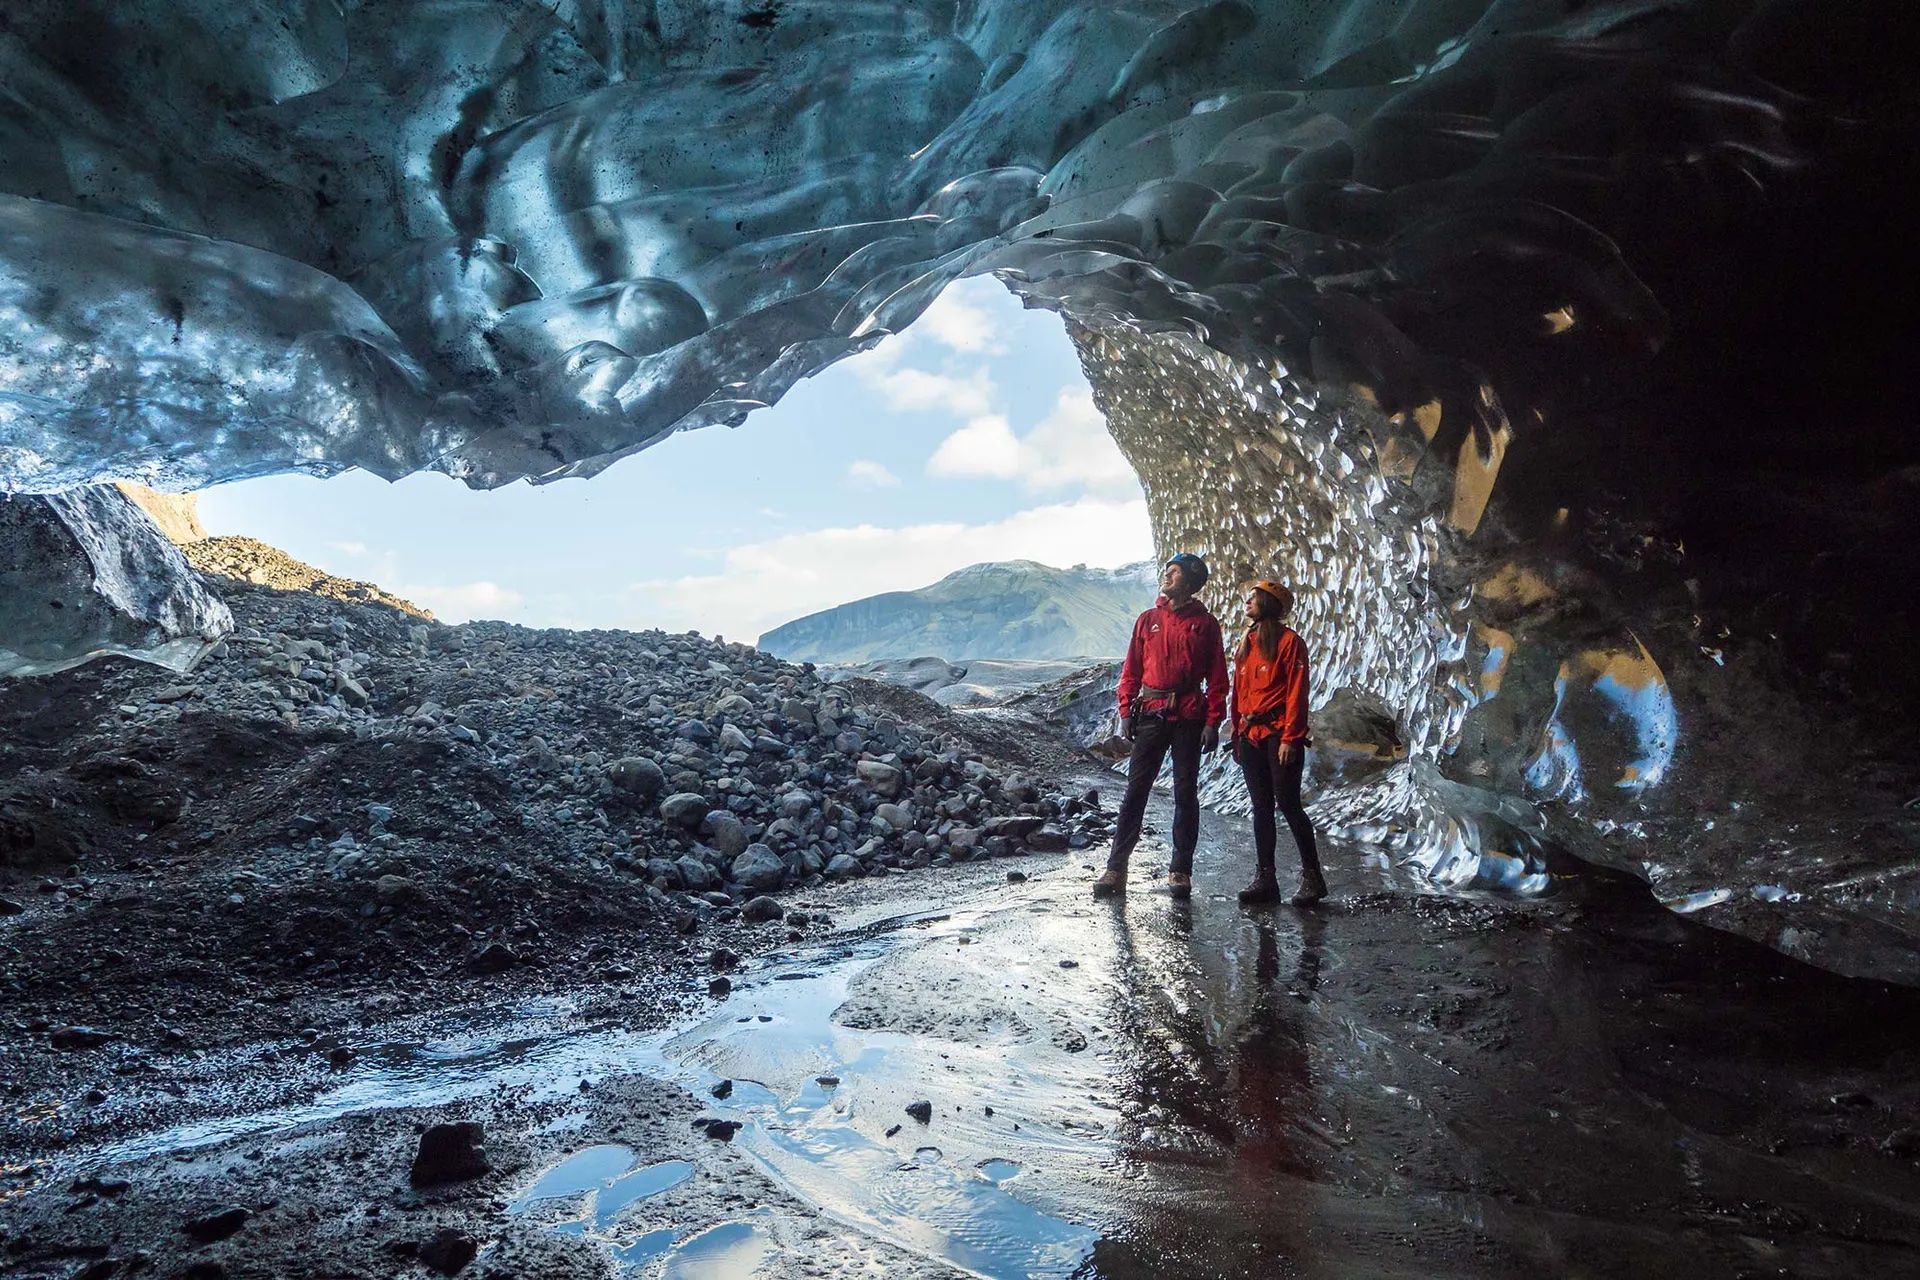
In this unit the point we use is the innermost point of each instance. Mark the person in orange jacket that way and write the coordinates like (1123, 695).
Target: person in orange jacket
(1267, 732)
(1176, 649)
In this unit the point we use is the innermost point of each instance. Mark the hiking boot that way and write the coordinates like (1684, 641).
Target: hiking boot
(1111, 884)
(1263, 889)
(1179, 886)
(1313, 887)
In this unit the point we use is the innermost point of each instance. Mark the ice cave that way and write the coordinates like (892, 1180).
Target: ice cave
(1552, 349)
(1548, 345)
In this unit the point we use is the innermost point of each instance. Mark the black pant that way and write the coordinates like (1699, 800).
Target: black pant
(1271, 784)
(1151, 741)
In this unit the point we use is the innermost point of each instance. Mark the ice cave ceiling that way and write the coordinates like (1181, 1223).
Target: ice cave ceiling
(1539, 342)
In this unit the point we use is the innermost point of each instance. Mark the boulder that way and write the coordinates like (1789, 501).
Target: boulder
(450, 1152)
(759, 867)
(727, 833)
(843, 866)
(683, 809)
(881, 776)
(762, 910)
(637, 776)
(694, 873)
(1016, 826)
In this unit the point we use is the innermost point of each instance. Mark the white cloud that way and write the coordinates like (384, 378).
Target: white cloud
(964, 395)
(955, 320)
(984, 447)
(764, 584)
(464, 602)
(1071, 446)
(1067, 448)
(865, 471)
(349, 548)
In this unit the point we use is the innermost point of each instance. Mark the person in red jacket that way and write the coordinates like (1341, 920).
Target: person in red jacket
(1176, 649)
(1267, 731)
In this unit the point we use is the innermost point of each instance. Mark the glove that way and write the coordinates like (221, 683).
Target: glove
(1210, 741)
(1129, 727)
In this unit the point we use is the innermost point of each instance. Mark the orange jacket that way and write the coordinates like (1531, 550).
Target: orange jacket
(1176, 650)
(1275, 692)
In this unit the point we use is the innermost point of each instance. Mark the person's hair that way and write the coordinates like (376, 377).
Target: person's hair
(1266, 631)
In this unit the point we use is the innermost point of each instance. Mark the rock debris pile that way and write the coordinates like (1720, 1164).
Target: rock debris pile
(342, 790)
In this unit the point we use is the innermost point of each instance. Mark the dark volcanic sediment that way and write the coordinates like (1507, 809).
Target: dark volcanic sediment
(347, 812)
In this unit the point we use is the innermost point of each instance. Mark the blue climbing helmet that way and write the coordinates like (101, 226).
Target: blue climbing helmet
(1193, 566)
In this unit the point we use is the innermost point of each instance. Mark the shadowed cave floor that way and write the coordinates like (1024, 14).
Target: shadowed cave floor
(1394, 1084)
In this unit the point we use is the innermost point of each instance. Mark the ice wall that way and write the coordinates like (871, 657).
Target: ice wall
(1531, 337)
(86, 574)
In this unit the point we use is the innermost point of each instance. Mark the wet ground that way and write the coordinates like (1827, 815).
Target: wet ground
(1394, 1083)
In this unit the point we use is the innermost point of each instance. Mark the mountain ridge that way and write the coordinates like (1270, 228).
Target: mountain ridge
(1010, 609)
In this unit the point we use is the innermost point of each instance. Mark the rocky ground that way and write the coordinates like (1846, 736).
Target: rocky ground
(381, 948)
(348, 812)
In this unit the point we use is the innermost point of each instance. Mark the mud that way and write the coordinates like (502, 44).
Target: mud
(1396, 1083)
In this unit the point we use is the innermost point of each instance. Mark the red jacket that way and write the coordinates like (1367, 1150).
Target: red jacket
(1276, 691)
(1176, 649)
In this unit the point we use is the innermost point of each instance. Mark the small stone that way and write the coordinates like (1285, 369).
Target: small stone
(12, 907)
(79, 1037)
(719, 985)
(722, 1090)
(450, 1152)
(683, 809)
(1069, 964)
(759, 867)
(218, 1225)
(921, 1111)
(718, 1130)
(1904, 1143)
(637, 776)
(1016, 877)
(761, 910)
(448, 1251)
(495, 957)
(727, 833)
(723, 958)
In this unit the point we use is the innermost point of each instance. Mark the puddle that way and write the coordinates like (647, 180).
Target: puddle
(608, 1176)
(822, 1109)
(998, 1172)
(730, 1251)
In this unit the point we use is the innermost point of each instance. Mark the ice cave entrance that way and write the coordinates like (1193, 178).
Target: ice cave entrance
(972, 437)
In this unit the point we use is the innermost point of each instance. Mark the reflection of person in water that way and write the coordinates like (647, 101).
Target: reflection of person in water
(1217, 1087)
(1272, 1090)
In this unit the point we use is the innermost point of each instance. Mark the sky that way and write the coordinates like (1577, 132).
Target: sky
(972, 436)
